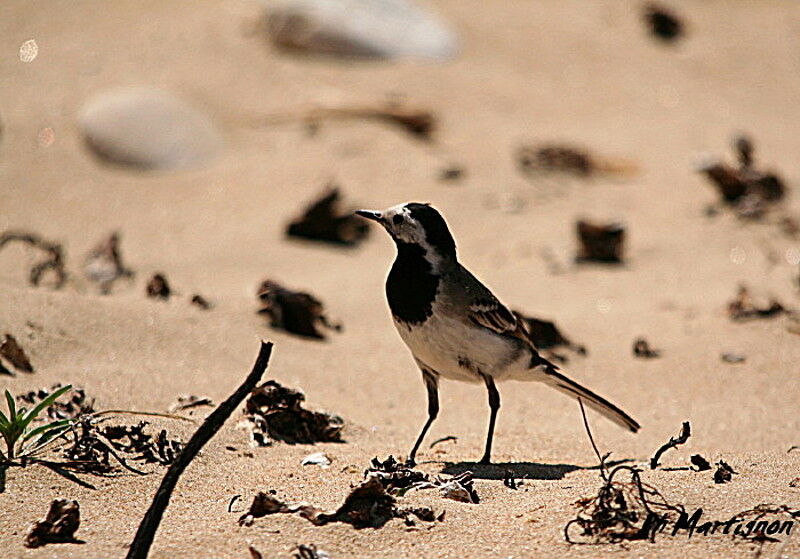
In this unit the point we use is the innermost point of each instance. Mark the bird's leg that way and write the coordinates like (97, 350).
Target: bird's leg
(494, 405)
(432, 384)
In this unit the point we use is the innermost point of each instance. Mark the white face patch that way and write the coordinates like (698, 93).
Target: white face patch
(399, 223)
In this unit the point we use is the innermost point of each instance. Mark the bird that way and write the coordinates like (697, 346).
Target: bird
(455, 327)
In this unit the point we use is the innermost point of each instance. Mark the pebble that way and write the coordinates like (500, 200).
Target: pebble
(360, 29)
(149, 129)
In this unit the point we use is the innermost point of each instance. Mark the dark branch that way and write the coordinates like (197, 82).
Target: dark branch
(683, 436)
(140, 546)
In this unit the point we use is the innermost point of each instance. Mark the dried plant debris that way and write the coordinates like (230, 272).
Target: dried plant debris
(600, 242)
(621, 511)
(189, 401)
(683, 436)
(275, 413)
(459, 488)
(641, 348)
(724, 472)
(699, 464)
(397, 478)
(564, 158)
(324, 220)
(451, 173)
(92, 447)
(744, 307)
(52, 262)
(750, 192)
(309, 552)
(262, 505)
(294, 311)
(448, 438)
(104, 266)
(59, 526)
(72, 405)
(158, 288)
(547, 337)
(420, 123)
(132, 440)
(663, 23)
(200, 301)
(509, 481)
(367, 506)
(11, 351)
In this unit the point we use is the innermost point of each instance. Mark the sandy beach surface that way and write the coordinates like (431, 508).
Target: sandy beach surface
(585, 73)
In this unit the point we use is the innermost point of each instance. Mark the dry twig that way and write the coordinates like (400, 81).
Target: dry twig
(140, 546)
(683, 436)
(53, 261)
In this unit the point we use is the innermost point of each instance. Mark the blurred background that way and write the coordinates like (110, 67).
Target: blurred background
(198, 131)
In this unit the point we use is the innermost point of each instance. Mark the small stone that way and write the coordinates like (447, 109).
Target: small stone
(732, 357)
(317, 459)
(360, 29)
(149, 129)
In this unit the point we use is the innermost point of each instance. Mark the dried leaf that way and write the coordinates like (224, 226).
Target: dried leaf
(104, 266)
(294, 311)
(750, 192)
(262, 505)
(641, 348)
(59, 526)
(664, 24)
(277, 412)
(158, 288)
(700, 464)
(11, 351)
(600, 242)
(724, 472)
(200, 301)
(743, 307)
(324, 220)
(565, 158)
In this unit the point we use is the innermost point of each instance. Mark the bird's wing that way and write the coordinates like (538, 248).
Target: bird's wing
(492, 314)
(487, 311)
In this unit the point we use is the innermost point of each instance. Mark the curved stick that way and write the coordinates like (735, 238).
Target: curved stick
(140, 546)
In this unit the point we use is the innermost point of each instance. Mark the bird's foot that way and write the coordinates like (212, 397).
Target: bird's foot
(410, 463)
(486, 460)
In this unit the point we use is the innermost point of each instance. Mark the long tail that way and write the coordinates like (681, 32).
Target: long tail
(597, 403)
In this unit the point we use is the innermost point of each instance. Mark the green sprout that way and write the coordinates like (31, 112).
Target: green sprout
(21, 439)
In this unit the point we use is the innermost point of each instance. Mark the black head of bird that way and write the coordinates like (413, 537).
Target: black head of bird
(416, 224)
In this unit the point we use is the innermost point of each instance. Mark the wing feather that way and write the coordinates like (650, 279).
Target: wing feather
(492, 314)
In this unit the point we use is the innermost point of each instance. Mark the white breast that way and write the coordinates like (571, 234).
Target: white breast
(441, 342)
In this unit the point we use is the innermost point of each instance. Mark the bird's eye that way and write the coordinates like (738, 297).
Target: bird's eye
(398, 219)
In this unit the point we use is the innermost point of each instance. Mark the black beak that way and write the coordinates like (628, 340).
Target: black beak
(369, 214)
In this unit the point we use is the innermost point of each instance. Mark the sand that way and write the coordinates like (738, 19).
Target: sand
(586, 73)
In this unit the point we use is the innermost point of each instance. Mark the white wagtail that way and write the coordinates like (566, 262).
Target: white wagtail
(455, 327)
